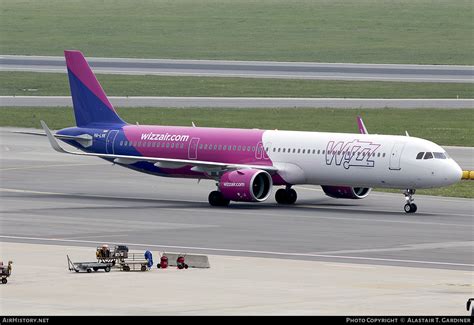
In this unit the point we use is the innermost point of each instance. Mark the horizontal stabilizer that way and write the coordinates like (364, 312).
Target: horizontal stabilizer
(84, 139)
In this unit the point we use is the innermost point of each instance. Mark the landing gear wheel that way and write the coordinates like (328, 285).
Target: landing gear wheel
(89, 270)
(286, 196)
(107, 269)
(4, 280)
(143, 268)
(216, 199)
(280, 196)
(292, 196)
(409, 207)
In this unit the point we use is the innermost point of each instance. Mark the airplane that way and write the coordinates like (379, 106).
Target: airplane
(247, 163)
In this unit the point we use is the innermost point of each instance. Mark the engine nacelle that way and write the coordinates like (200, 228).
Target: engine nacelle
(346, 192)
(249, 185)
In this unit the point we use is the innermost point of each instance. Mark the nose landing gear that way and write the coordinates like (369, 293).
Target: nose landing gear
(410, 207)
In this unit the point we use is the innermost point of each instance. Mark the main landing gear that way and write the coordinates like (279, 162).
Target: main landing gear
(216, 199)
(409, 207)
(286, 196)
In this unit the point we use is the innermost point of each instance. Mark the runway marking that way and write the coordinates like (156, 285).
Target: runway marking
(224, 250)
(403, 248)
(349, 266)
(335, 218)
(259, 212)
(92, 195)
(96, 236)
(186, 72)
(48, 166)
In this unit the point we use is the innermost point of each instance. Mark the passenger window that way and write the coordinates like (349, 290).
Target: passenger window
(299, 150)
(172, 145)
(319, 150)
(324, 151)
(279, 149)
(200, 146)
(314, 151)
(253, 149)
(205, 146)
(428, 155)
(420, 155)
(215, 147)
(294, 150)
(234, 148)
(248, 148)
(302, 151)
(121, 143)
(383, 155)
(284, 150)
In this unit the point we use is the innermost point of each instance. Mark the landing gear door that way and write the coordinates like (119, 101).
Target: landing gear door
(395, 156)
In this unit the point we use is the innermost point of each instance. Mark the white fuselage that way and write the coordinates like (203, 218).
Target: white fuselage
(363, 160)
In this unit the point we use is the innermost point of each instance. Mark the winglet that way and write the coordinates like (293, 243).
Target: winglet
(362, 128)
(54, 143)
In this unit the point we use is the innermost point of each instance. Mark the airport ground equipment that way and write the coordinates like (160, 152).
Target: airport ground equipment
(105, 255)
(134, 262)
(180, 263)
(5, 271)
(163, 262)
(88, 266)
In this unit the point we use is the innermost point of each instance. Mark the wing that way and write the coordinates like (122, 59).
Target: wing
(198, 166)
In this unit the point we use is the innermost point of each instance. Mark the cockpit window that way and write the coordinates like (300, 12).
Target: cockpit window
(439, 155)
(428, 155)
(420, 155)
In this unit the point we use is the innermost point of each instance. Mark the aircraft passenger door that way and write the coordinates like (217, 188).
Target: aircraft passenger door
(259, 151)
(395, 156)
(193, 147)
(109, 142)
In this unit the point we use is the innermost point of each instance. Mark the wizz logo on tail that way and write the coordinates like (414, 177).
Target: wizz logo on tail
(353, 153)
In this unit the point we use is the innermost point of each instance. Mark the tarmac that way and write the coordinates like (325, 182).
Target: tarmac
(41, 284)
(321, 256)
(249, 69)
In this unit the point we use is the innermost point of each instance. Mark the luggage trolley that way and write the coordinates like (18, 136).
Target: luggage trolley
(88, 266)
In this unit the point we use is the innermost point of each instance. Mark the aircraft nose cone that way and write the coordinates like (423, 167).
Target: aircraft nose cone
(454, 173)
